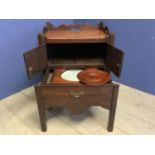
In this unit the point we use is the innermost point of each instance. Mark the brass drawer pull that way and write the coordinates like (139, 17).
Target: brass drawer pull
(76, 94)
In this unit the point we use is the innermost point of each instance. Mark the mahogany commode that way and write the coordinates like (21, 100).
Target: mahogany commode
(74, 47)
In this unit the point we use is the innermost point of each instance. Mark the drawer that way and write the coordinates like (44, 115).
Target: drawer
(75, 98)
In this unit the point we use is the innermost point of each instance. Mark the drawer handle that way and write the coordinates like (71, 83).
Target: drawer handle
(76, 94)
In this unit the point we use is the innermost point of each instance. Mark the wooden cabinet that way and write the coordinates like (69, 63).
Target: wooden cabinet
(74, 47)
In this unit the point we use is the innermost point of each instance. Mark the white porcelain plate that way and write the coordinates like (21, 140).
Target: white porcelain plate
(71, 75)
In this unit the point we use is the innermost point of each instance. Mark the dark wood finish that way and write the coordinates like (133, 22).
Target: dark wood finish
(76, 27)
(113, 108)
(74, 46)
(41, 39)
(47, 27)
(76, 33)
(35, 60)
(111, 39)
(94, 76)
(114, 59)
(67, 36)
(41, 109)
(76, 63)
(76, 55)
(75, 97)
(46, 75)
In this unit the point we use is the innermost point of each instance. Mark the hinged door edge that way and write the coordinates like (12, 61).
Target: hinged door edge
(114, 59)
(35, 61)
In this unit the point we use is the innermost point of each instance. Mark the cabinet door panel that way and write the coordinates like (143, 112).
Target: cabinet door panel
(114, 59)
(35, 60)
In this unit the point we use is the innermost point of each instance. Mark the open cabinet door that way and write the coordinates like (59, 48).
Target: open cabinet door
(114, 59)
(35, 60)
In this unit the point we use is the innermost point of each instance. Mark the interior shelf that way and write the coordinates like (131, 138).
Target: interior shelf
(76, 62)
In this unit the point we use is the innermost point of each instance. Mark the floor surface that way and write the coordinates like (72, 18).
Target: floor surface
(135, 114)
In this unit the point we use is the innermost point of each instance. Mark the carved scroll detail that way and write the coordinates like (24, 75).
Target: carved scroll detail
(100, 26)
